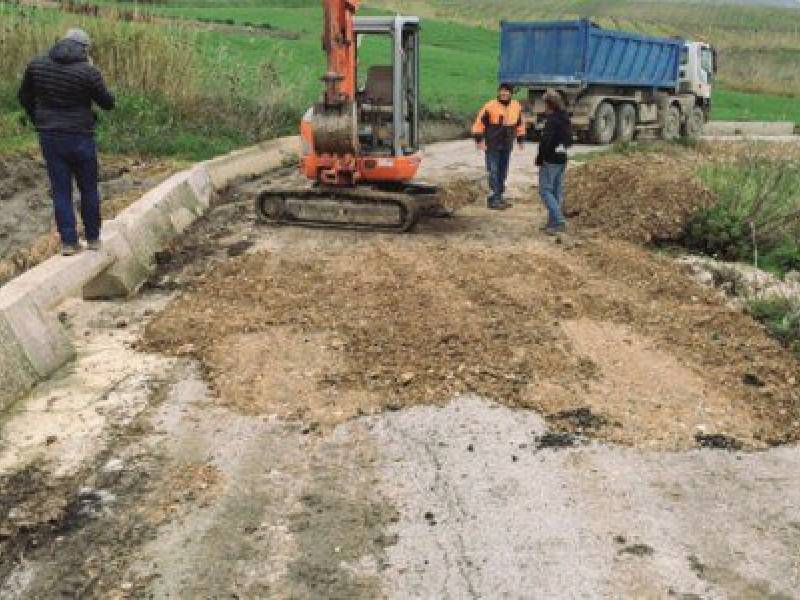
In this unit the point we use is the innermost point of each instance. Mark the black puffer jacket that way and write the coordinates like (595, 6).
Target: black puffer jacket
(556, 139)
(58, 90)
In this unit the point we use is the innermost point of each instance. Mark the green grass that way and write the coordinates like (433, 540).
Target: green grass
(459, 67)
(781, 317)
(459, 62)
(741, 106)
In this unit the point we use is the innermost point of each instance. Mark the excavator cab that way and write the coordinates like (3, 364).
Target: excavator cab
(388, 102)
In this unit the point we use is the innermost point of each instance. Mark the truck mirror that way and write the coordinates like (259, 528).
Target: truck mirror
(715, 55)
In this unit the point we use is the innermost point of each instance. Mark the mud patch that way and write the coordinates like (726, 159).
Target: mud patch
(335, 532)
(638, 550)
(718, 442)
(556, 441)
(580, 419)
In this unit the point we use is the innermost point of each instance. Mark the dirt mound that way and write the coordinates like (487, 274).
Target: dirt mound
(640, 197)
(343, 325)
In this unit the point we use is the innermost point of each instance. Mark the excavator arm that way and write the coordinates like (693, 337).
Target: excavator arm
(339, 44)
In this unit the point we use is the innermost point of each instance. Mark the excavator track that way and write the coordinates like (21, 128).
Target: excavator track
(396, 210)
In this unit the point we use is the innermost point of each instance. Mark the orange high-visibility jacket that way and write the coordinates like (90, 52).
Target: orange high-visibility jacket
(500, 124)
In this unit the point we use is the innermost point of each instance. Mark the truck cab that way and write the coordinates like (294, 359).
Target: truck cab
(698, 68)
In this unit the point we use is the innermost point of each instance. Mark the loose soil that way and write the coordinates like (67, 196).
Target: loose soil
(347, 324)
(638, 197)
(27, 230)
(647, 196)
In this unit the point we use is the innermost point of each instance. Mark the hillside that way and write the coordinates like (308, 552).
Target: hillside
(759, 45)
(234, 72)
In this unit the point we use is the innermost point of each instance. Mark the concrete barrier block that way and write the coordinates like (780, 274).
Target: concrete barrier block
(252, 161)
(16, 372)
(129, 270)
(35, 345)
(61, 277)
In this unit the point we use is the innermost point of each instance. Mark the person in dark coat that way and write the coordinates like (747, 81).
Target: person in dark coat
(57, 93)
(552, 161)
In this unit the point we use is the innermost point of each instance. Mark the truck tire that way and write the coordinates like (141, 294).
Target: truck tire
(626, 123)
(604, 126)
(671, 128)
(693, 128)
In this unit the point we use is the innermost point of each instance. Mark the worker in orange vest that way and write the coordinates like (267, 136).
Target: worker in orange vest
(499, 124)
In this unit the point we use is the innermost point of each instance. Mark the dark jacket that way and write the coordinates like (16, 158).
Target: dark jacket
(58, 90)
(500, 124)
(556, 139)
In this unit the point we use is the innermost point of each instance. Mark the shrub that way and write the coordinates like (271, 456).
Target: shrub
(781, 316)
(757, 216)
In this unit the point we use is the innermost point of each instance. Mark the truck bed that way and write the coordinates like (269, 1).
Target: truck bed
(581, 54)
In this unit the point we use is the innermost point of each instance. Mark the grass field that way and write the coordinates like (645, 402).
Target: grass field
(760, 46)
(246, 52)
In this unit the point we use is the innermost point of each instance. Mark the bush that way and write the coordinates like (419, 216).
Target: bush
(757, 216)
(781, 316)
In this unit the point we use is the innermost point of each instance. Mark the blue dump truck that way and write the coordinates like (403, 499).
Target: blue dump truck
(615, 84)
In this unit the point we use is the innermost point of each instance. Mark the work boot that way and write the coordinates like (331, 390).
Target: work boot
(70, 249)
(556, 230)
(94, 245)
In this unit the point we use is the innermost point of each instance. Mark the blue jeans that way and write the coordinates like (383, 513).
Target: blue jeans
(551, 189)
(497, 166)
(68, 156)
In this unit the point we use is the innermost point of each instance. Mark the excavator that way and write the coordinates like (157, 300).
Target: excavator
(360, 146)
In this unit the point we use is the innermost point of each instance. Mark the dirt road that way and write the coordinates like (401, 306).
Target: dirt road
(471, 411)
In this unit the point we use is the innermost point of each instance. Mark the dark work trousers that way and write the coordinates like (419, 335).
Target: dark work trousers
(497, 166)
(73, 156)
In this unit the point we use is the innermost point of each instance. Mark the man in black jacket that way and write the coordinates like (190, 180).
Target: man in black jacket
(57, 92)
(552, 161)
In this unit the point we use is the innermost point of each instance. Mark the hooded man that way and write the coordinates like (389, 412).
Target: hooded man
(499, 123)
(57, 93)
(552, 161)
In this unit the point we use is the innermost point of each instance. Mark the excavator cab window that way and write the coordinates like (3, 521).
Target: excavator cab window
(388, 84)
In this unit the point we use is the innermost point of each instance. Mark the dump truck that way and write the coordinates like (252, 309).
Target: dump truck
(615, 84)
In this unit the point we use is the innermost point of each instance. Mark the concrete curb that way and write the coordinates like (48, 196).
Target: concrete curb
(734, 128)
(33, 343)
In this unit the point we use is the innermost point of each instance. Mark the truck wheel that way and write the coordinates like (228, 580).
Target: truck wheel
(626, 123)
(672, 124)
(693, 128)
(605, 124)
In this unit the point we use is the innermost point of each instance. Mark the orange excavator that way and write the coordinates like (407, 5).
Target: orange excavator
(360, 145)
